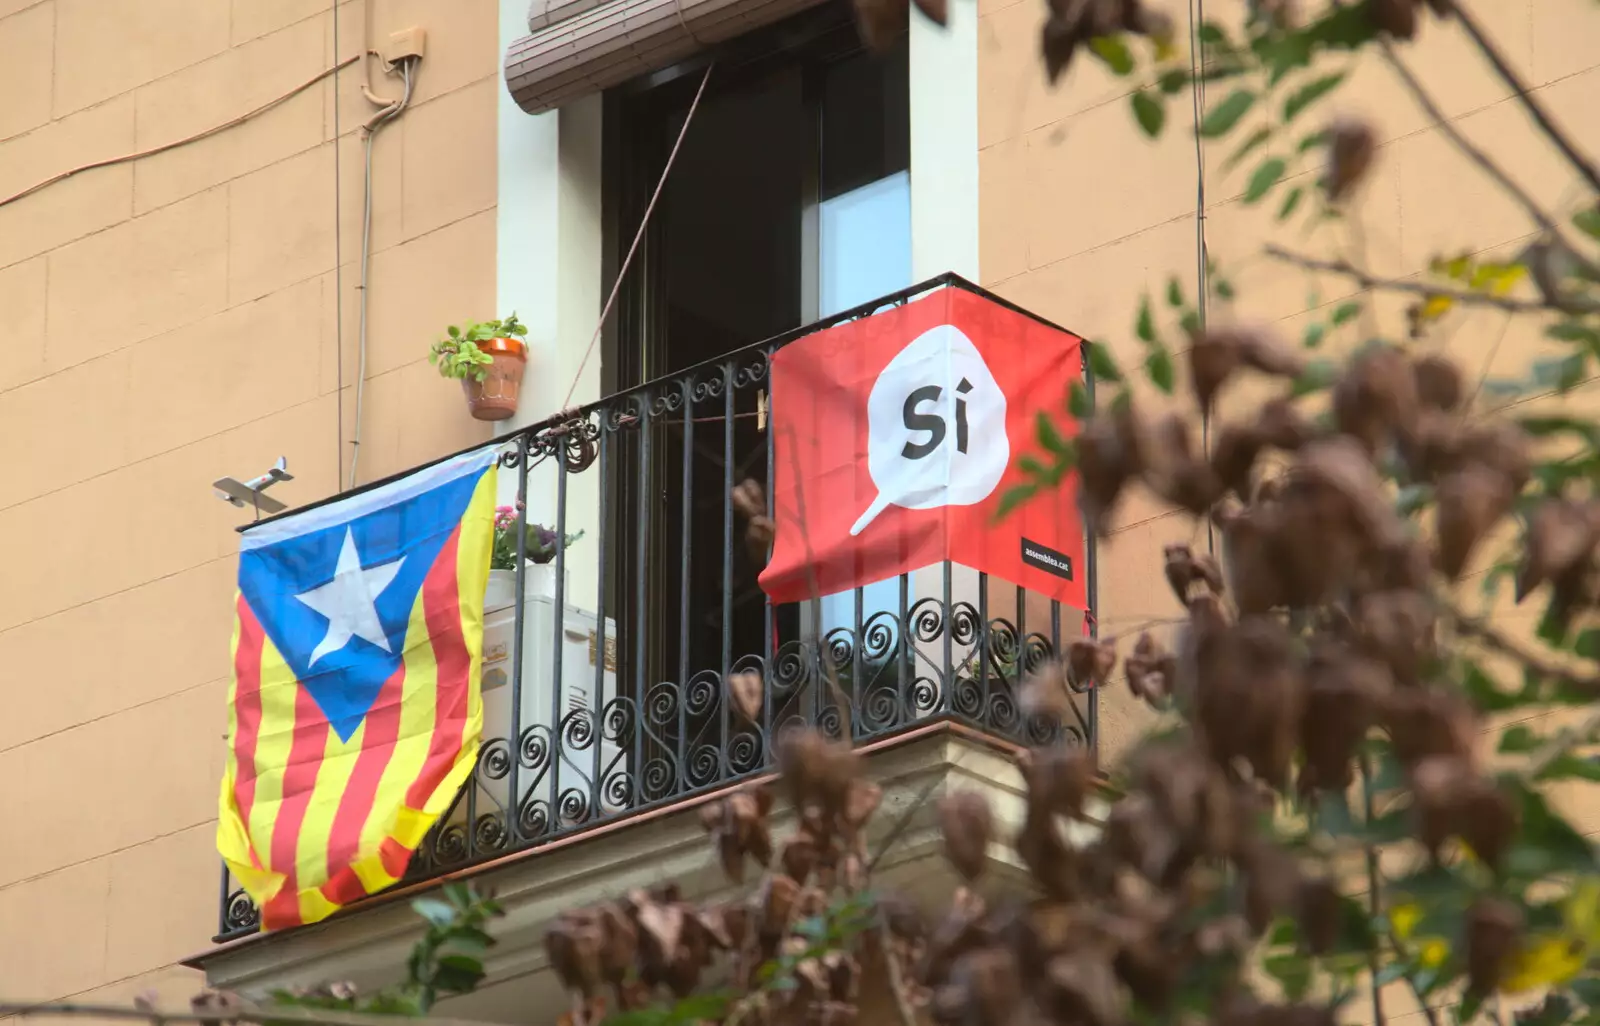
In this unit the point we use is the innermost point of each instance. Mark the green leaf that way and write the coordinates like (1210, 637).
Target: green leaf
(1318, 376)
(1101, 364)
(1588, 645)
(1567, 766)
(1212, 34)
(1030, 465)
(1254, 142)
(1145, 324)
(1113, 52)
(1518, 738)
(1483, 691)
(1264, 178)
(1314, 334)
(1312, 141)
(1588, 221)
(1078, 403)
(1290, 202)
(439, 913)
(1222, 287)
(1221, 118)
(1049, 437)
(1562, 373)
(1293, 973)
(1149, 112)
(1159, 366)
(454, 331)
(1310, 93)
(1174, 292)
(1013, 497)
(1172, 82)
(1345, 312)
(1355, 928)
(1547, 843)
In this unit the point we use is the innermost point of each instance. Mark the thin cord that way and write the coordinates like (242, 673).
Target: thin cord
(382, 118)
(1197, 15)
(164, 147)
(338, 270)
(622, 272)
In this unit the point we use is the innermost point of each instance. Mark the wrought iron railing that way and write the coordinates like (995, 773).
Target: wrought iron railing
(682, 613)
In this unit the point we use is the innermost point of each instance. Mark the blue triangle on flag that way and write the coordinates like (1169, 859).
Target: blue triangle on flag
(344, 637)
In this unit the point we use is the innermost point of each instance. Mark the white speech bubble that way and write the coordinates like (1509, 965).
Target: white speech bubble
(936, 427)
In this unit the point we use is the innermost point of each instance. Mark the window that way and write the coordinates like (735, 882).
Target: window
(789, 201)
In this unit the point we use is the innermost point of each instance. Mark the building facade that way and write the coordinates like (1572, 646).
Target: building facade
(204, 292)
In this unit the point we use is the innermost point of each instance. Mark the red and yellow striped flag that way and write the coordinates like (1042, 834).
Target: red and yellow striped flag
(355, 712)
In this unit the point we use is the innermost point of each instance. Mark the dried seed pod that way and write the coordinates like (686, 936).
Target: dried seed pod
(1453, 800)
(746, 688)
(1424, 723)
(1058, 779)
(816, 770)
(739, 829)
(1559, 544)
(1376, 396)
(1343, 697)
(1081, 987)
(1438, 382)
(1469, 504)
(1213, 357)
(881, 21)
(574, 945)
(1494, 929)
(967, 824)
(1397, 628)
(1184, 568)
(1261, 350)
(1233, 457)
(1152, 671)
(1090, 663)
(1352, 145)
(1318, 912)
(1249, 698)
(985, 987)
(1397, 18)
(1280, 424)
(936, 11)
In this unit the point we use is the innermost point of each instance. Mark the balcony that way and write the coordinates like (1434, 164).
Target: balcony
(603, 730)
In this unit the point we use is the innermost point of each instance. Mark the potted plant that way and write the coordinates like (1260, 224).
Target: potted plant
(488, 358)
(539, 547)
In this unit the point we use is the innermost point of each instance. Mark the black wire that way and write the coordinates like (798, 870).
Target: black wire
(1197, 17)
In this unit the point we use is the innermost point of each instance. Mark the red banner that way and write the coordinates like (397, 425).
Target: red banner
(895, 437)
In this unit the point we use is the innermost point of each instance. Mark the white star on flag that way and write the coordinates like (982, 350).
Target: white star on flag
(349, 601)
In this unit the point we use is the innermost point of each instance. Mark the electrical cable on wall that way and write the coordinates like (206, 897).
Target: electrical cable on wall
(1197, 17)
(369, 131)
(186, 140)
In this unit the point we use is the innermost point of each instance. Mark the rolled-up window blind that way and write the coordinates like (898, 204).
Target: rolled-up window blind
(579, 47)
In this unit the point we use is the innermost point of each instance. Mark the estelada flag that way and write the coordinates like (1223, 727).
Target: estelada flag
(355, 712)
(895, 437)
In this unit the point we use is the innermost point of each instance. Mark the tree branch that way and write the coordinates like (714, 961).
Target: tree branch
(1526, 98)
(242, 1013)
(1473, 153)
(1480, 629)
(1370, 281)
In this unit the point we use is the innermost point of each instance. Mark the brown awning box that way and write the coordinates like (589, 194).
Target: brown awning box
(578, 47)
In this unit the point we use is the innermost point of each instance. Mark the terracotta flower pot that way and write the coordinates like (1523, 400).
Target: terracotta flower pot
(496, 396)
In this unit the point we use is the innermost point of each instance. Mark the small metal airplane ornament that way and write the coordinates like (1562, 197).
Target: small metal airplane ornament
(250, 493)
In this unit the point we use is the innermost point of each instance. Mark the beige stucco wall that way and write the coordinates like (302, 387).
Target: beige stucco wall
(164, 323)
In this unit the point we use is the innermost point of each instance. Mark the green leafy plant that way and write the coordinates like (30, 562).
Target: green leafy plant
(539, 543)
(447, 960)
(458, 354)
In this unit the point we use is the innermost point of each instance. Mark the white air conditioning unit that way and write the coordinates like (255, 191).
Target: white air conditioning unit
(567, 760)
